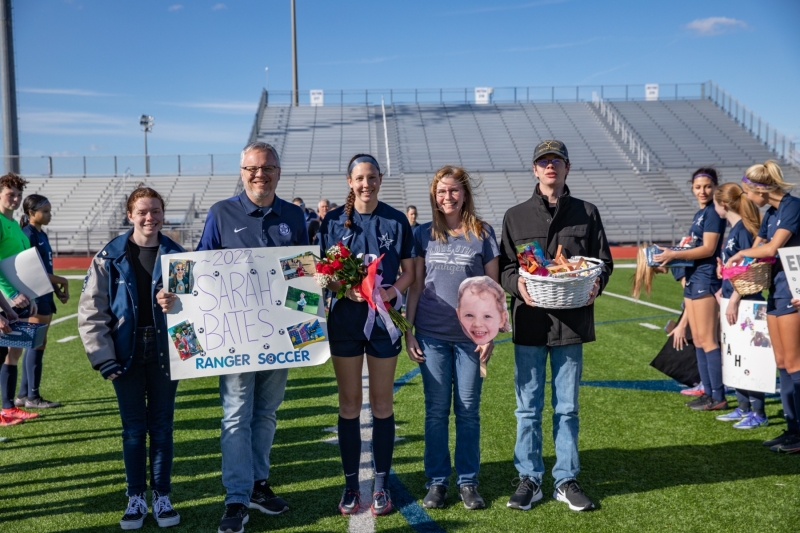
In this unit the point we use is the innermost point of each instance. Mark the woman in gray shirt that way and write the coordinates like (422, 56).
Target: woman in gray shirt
(455, 246)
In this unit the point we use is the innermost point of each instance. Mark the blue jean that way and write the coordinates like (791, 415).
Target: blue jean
(566, 365)
(451, 371)
(249, 419)
(146, 398)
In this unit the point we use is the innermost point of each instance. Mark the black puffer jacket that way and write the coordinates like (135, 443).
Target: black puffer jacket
(576, 226)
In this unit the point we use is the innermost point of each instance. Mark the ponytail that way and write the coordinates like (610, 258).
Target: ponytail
(733, 198)
(24, 220)
(644, 274)
(348, 209)
(766, 177)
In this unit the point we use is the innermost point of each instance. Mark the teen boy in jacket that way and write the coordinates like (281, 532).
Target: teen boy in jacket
(551, 217)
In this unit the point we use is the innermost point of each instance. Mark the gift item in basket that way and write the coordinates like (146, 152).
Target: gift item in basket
(24, 335)
(750, 278)
(654, 250)
(563, 290)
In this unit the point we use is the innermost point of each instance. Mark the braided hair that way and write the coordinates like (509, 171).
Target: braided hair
(351, 196)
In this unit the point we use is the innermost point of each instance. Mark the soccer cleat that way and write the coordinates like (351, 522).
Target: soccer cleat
(784, 437)
(163, 512)
(751, 421)
(263, 499)
(527, 492)
(708, 404)
(470, 497)
(6, 421)
(16, 412)
(381, 503)
(697, 390)
(234, 519)
(790, 447)
(733, 416)
(571, 493)
(435, 498)
(40, 403)
(700, 400)
(19, 401)
(350, 502)
(135, 513)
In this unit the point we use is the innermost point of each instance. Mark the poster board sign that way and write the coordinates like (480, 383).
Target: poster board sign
(316, 97)
(790, 257)
(244, 310)
(747, 359)
(26, 272)
(651, 92)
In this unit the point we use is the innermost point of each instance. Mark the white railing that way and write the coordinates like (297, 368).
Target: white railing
(625, 132)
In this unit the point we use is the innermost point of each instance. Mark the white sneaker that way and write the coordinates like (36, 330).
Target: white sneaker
(135, 513)
(163, 512)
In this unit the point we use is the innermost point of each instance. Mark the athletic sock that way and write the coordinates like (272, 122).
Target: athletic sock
(350, 449)
(796, 382)
(34, 370)
(8, 383)
(787, 401)
(756, 402)
(714, 361)
(702, 368)
(382, 448)
(744, 401)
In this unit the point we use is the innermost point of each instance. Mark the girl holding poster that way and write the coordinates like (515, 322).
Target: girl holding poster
(733, 205)
(379, 232)
(764, 185)
(125, 336)
(36, 215)
(701, 286)
(455, 246)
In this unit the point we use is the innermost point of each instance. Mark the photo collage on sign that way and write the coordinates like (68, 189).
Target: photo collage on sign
(303, 299)
(753, 322)
(184, 338)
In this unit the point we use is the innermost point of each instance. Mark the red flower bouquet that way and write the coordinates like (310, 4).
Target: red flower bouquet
(339, 264)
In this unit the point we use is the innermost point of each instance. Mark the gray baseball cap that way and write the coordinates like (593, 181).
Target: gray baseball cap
(550, 147)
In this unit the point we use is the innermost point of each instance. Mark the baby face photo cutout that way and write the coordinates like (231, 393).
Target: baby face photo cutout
(482, 309)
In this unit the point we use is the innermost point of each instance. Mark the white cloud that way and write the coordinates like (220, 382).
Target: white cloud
(63, 92)
(220, 107)
(95, 147)
(715, 25)
(219, 6)
(175, 7)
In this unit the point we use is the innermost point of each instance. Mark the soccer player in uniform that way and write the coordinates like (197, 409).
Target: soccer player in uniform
(701, 285)
(36, 214)
(733, 205)
(12, 242)
(780, 228)
(255, 218)
(372, 228)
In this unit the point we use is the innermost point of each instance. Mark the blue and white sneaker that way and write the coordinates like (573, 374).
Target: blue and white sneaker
(752, 420)
(733, 416)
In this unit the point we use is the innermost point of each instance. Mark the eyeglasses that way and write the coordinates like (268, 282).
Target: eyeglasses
(254, 170)
(544, 163)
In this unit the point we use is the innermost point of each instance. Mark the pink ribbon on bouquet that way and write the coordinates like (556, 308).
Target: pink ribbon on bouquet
(370, 289)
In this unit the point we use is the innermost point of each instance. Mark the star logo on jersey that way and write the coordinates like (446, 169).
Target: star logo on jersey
(730, 244)
(283, 228)
(779, 222)
(385, 241)
(699, 221)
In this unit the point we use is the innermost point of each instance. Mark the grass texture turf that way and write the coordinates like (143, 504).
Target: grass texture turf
(650, 463)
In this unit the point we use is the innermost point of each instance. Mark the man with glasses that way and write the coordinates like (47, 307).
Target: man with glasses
(550, 217)
(255, 218)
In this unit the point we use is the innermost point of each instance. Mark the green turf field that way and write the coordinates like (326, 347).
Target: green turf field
(649, 462)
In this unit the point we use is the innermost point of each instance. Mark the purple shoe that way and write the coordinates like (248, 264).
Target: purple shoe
(751, 421)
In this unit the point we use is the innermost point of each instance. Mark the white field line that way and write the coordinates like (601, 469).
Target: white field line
(64, 319)
(67, 339)
(648, 304)
(77, 276)
(363, 521)
(648, 326)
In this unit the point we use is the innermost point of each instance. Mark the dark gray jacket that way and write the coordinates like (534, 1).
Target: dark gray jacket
(577, 226)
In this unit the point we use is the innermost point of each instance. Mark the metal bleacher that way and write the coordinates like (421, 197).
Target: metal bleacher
(638, 176)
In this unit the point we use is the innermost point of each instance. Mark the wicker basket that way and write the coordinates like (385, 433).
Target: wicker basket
(567, 290)
(755, 279)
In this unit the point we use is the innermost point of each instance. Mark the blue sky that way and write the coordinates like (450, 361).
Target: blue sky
(86, 69)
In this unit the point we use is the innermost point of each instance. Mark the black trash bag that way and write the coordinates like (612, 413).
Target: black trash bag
(680, 365)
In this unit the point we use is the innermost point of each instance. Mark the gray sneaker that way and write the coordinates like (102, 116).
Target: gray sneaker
(470, 497)
(40, 403)
(435, 498)
(571, 493)
(19, 401)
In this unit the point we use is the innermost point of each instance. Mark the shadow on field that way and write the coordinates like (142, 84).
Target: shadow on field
(612, 471)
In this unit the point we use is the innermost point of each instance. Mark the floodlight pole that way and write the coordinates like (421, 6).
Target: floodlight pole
(294, 59)
(146, 122)
(9, 90)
